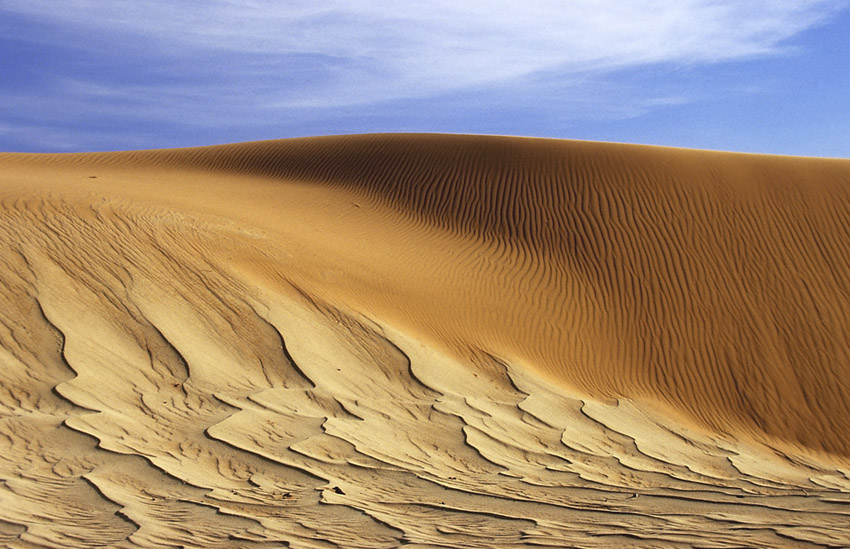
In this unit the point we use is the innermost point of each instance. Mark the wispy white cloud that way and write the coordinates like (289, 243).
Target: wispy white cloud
(364, 51)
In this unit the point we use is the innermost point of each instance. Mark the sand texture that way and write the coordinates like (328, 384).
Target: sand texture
(430, 340)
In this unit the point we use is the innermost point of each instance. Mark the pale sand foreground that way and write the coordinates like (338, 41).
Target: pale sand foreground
(370, 341)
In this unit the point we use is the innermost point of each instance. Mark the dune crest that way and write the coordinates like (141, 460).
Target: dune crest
(445, 339)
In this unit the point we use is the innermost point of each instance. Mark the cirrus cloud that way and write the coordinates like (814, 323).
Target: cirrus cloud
(365, 51)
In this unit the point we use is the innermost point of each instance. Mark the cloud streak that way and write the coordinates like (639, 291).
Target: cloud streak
(366, 51)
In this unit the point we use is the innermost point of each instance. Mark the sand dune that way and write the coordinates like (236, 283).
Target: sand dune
(369, 341)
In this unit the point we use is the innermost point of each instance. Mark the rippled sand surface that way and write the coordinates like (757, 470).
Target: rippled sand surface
(430, 340)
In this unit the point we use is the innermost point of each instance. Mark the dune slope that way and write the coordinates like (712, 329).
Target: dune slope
(424, 339)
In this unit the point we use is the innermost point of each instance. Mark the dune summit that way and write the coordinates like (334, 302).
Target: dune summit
(424, 339)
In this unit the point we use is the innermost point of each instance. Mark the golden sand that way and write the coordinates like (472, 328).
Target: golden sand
(432, 340)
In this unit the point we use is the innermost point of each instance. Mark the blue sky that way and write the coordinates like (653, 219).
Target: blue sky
(768, 76)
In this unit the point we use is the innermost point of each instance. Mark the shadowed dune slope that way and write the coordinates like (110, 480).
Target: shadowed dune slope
(238, 326)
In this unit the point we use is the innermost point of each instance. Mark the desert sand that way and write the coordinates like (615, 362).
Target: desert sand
(431, 340)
